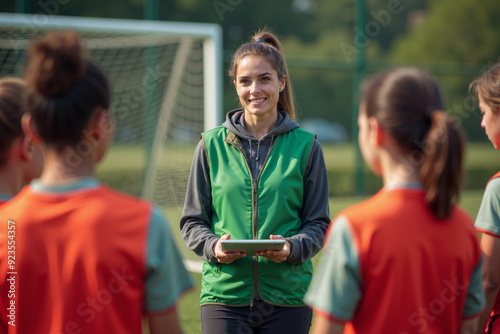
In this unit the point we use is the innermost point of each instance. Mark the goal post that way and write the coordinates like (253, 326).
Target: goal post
(167, 89)
(210, 34)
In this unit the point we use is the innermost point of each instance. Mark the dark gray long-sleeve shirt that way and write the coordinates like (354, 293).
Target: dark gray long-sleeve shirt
(195, 223)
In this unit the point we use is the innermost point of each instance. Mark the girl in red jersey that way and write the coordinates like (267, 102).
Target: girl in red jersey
(86, 259)
(20, 159)
(406, 260)
(487, 89)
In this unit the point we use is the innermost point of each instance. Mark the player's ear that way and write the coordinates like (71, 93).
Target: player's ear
(282, 83)
(27, 148)
(29, 128)
(30, 137)
(101, 124)
(377, 131)
(380, 134)
(107, 124)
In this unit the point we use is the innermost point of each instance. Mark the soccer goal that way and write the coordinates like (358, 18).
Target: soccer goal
(166, 80)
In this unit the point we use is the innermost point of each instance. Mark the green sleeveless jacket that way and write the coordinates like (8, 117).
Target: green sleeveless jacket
(255, 209)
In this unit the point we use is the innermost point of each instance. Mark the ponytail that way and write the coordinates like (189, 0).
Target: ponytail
(266, 44)
(407, 103)
(441, 172)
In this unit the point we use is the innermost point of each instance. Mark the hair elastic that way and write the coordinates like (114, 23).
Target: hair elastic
(429, 111)
(259, 40)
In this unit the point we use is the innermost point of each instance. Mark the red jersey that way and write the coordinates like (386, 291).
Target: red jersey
(391, 267)
(79, 262)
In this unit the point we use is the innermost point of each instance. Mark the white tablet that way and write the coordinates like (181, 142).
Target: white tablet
(250, 246)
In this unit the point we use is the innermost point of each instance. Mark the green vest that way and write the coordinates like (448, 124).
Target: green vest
(255, 209)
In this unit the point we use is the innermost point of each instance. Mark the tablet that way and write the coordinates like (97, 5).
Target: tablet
(250, 246)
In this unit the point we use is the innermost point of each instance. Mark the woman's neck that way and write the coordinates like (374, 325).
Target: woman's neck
(399, 169)
(259, 126)
(66, 165)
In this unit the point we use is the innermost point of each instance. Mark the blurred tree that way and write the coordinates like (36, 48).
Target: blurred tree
(385, 20)
(394, 17)
(396, 31)
(327, 93)
(455, 31)
(131, 9)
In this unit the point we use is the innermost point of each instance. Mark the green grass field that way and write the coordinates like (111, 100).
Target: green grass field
(189, 307)
(123, 165)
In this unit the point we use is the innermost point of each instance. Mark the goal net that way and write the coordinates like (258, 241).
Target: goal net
(166, 81)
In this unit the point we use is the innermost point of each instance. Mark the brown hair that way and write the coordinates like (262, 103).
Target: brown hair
(266, 44)
(488, 86)
(65, 88)
(12, 94)
(407, 103)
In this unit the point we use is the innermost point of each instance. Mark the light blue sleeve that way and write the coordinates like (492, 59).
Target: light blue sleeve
(335, 287)
(167, 278)
(488, 217)
(475, 301)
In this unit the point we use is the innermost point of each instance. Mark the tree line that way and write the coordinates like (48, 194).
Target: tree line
(452, 39)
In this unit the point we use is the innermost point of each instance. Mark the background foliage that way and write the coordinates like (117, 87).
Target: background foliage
(453, 39)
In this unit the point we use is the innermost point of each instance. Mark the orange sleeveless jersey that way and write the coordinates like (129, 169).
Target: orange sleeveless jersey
(415, 269)
(79, 262)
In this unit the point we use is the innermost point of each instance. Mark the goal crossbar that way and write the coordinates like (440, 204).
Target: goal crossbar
(210, 33)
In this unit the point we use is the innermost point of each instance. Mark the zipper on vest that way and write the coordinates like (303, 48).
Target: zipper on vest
(255, 217)
(254, 236)
(255, 213)
(255, 220)
(254, 208)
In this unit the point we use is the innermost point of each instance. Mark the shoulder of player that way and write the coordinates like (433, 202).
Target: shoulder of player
(362, 208)
(493, 185)
(119, 197)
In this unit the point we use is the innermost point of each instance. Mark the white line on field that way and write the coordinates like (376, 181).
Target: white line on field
(193, 266)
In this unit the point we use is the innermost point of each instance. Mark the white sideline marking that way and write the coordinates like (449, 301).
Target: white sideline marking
(193, 266)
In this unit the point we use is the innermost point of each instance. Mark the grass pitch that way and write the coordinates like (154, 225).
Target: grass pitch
(189, 307)
(130, 160)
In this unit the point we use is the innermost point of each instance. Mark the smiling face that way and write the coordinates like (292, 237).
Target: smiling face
(490, 122)
(258, 86)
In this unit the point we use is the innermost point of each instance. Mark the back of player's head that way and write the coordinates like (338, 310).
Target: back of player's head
(407, 103)
(12, 93)
(65, 88)
(266, 44)
(488, 87)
